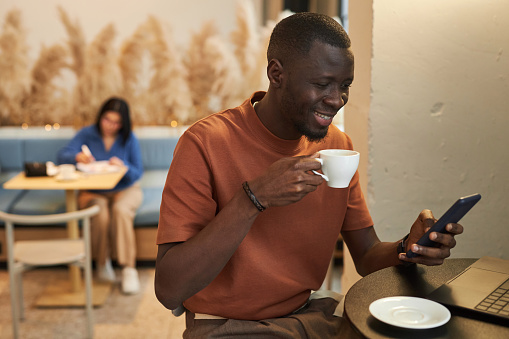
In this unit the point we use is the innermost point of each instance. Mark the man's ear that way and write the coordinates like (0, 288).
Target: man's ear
(275, 72)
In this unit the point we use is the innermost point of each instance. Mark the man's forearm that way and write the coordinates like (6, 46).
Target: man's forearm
(381, 255)
(368, 252)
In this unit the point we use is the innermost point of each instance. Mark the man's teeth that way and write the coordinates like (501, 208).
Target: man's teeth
(323, 116)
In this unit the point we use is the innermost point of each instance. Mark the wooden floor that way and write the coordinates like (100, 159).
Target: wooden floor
(137, 316)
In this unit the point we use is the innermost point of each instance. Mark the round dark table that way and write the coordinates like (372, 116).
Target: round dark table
(416, 281)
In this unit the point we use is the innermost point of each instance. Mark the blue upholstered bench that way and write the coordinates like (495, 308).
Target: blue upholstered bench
(17, 147)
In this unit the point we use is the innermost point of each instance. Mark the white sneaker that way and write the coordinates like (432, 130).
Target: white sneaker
(106, 272)
(130, 281)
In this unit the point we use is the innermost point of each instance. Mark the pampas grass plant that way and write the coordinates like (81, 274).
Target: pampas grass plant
(14, 72)
(168, 94)
(226, 87)
(131, 62)
(76, 43)
(100, 78)
(245, 39)
(45, 100)
(200, 75)
(214, 75)
(160, 84)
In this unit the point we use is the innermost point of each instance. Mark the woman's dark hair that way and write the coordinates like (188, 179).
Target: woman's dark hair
(120, 106)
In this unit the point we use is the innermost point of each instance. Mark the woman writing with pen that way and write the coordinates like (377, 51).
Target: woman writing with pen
(111, 139)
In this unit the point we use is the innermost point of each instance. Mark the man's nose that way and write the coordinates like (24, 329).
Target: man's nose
(337, 99)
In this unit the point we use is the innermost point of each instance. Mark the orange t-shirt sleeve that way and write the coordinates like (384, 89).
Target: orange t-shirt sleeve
(187, 203)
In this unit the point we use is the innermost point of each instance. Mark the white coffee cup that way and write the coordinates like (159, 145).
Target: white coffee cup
(338, 166)
(67, 171)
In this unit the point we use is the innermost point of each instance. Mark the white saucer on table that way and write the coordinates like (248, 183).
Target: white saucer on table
(410, 312)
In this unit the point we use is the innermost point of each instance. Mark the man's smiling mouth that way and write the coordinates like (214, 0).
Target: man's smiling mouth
(323, 116)
(323, 119)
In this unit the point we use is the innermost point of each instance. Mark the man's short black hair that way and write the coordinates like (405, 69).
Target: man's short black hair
(296, 34)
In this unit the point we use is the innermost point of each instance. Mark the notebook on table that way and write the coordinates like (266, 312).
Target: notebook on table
(482, 287)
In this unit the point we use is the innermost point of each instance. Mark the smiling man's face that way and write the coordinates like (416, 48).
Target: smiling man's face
(314, 90)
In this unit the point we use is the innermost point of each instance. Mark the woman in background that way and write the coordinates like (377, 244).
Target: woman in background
(111, 139)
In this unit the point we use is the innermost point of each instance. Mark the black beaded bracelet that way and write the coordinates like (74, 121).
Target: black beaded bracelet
(252, 197)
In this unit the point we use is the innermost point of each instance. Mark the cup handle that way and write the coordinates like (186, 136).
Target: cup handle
(320, 174)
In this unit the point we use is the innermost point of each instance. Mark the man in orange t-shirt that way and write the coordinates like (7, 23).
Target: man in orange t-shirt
(246, 229)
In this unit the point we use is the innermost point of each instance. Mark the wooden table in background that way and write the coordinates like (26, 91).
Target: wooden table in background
(70, 293)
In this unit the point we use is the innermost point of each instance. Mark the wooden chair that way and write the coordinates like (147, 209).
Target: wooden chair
(30, 254)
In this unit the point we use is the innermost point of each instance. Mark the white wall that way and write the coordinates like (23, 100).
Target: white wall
(439, 117)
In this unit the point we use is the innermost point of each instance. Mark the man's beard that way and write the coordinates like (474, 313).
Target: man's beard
(312, 136)
(300, 121)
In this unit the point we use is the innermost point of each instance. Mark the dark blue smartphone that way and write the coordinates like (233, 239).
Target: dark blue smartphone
(453, 215)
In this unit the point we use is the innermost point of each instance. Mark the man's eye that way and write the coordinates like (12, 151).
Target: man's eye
(347, 85)
(322, 84)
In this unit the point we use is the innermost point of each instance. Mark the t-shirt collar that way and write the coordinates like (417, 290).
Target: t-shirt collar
(262, 133)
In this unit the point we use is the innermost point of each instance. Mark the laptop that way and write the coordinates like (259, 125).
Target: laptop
(482, 287)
